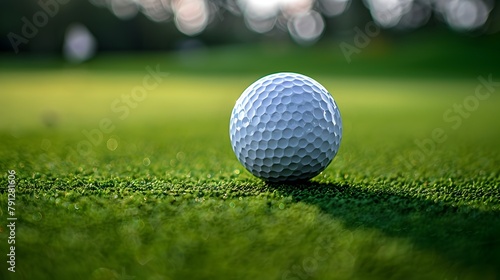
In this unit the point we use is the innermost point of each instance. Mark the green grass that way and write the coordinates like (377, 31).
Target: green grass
(172, 201)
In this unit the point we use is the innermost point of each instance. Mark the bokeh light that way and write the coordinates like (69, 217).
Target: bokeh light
(157, 10)
(388, 13)
(259, 9)
(260, 25)
(333, 8)
(306, 28)
(291, 8)
(418, 15)
(191, 16)
(124, 9)
(112, 144)
(466, 14)
(79, 44)
(302, 19)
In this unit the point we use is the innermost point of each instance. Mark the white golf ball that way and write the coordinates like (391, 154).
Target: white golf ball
(285, 127)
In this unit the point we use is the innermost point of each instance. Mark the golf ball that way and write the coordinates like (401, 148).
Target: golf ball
(285, 127)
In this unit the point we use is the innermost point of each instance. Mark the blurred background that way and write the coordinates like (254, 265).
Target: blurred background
(93, 125)
(77, 114)
(426, 37)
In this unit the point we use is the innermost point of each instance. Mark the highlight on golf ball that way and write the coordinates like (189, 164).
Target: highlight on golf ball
(285, 127)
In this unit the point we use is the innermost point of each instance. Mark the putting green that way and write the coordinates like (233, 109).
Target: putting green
(118, 179)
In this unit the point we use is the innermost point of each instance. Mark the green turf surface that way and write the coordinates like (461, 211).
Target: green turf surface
(162, 196)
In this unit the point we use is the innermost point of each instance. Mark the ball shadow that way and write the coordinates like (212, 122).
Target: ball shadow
(461, 234)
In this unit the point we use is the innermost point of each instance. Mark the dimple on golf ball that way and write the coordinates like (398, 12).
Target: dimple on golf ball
(285, 127)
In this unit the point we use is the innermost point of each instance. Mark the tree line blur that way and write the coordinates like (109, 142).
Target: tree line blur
(41, 26)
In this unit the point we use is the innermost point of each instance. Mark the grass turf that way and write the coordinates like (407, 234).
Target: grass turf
(162, 196)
